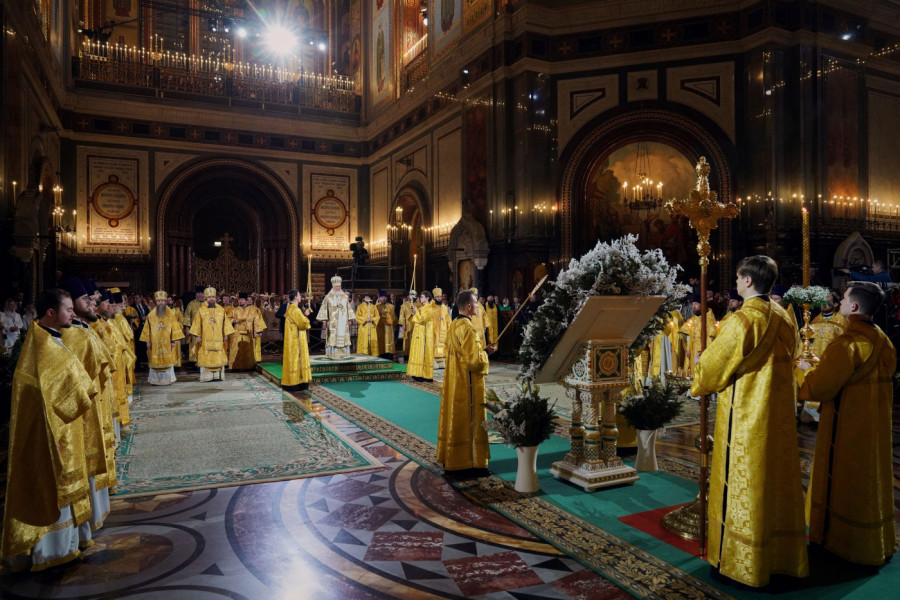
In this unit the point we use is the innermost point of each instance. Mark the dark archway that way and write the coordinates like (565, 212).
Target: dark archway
(408, 210)
(204, 201)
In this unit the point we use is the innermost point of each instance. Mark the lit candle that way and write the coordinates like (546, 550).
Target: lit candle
(309, 277)
(805, 247)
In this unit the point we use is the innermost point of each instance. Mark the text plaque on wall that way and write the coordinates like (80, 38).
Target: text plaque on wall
(330, 214)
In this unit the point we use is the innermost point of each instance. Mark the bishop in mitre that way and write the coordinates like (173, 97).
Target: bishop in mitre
(245, 349)
(335, 313)
(211, 326)
(162, 333)
(295, 368)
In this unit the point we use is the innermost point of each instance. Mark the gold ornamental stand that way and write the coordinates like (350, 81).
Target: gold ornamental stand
(704, 211)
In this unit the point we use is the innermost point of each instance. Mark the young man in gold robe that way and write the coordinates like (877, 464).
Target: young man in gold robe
(162, 334)
(386, 321)
(367, 327)
(441, 319)
(478, 319)
(117, 304)
(850, 501)
(121, 354)
(99, 430)
(692, 328)
(245, 346)
(491, 320)
(421, 347)
(211, 326)
(756, 524)
(295, 368)
(406, 326)
(190, 311)
(462, 441)
(47, 488)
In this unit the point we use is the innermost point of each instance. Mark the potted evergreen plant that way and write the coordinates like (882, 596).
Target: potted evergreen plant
(648, 412)
(522, 421)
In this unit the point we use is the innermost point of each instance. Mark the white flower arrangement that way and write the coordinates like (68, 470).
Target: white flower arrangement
(612, 268)
(814, 295)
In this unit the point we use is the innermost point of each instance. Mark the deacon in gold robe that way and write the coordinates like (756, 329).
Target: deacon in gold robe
(122, 355)
(421, 347)
(229, 312)
(756, 525)
(778, 292)
(692, 329)
(162, 334)
(406, 326)
(491, 320)
(667, 349)
(47, 488)
(117, 304)
(386, 321)
(734, 304)
(827, 325)
(441, 321)
(211, 326)
(367, 331)
(190, 311)
(462, 441)
(99, 430)
(850, 501)
(295, 368)
(479, 319)
(179, 316)
(335, 314)
(246, 343)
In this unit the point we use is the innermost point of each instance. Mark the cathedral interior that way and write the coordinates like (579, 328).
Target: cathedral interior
(167, 144)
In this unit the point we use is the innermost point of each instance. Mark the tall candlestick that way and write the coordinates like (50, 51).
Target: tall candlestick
(805, 247)
(309, 276)
(415, 258)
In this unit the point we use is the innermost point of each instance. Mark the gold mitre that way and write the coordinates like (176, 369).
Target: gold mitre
(160, 295)
(437, 292)
(475, 291)
(209, 292)
(115, 291)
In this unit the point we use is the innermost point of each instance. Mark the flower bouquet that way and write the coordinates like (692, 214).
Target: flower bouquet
(814, 295)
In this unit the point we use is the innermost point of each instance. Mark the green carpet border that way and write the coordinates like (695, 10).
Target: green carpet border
(629, 567)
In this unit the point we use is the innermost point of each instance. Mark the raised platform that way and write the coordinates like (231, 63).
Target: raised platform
(357, 367)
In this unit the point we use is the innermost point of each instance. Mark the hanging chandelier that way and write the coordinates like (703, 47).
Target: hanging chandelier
(645, 194)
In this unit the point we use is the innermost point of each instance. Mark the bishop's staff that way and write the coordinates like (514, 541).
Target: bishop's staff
(513, 320)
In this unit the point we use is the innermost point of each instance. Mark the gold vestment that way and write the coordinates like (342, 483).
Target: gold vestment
(211, 326)
(386, 322)
(850, 499)
(295, 367)
(367, 333)
(826, 329)
(756, 525)
(692, 328)
(421, 347)
(406, 324)
(490, 317)
(478, 321)
(441, 319)
(123, 358)
(335, 310)
(245, 347)
(462, 440)
(162, 335)
(190, 311)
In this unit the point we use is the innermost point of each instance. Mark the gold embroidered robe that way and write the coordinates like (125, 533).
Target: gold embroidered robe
(187, 321)
(692, 328)
(826, 329)
(441, 320)
(850, 501)
(676, 341)
(756, 524)
(478, 321)
(162, 335)
(211, 326)
(122, 359)
(386, 321)
(406, 324)
(462, 441)
(245, 347)
(335, 310)
(421, 347)
(490, 317)
(367, 333)
(295, 368)
(179, 318)
(46, 467)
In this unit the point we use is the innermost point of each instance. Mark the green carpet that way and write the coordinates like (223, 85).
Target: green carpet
(417, 411)
(193, 435)
(272, 372)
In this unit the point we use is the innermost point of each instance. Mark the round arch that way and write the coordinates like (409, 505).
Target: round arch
(693, 136)
(410, 207)
(273, 228)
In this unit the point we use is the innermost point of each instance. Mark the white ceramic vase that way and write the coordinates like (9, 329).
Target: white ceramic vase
(646, 455)
(526, 475)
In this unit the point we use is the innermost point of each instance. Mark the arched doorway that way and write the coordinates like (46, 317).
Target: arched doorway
(227, 222)
(408, 222)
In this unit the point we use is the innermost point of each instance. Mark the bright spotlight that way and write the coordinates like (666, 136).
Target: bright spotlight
(241, 32)
(322, 46)
(280, 39)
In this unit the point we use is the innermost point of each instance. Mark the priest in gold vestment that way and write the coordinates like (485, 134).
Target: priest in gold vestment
(850, 501)
(122, 355)
(441, 319)
(162, 334)
(335, 314)
(211, 326)
(367, 331)
(386, 321)
(756, 524)
(667, 349)
(406, 326)
(47, 488)
(692, 328)
(245, 346)
(462, 441)
(490, 314)
(479, 319)
(190, 311)
(421, 347)
(827, 325)
(295, 368)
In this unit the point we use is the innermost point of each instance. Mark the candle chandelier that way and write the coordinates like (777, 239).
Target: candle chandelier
(645, 194)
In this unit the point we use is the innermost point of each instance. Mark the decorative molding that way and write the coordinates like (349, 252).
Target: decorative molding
(707, 88)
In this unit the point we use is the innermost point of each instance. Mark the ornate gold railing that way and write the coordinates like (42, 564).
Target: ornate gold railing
(216, 79)
(415, 71)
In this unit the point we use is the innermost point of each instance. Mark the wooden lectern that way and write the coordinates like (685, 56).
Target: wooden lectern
(591, 363)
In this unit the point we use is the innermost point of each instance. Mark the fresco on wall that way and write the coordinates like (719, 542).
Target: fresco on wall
(605, 215)
(381, 88)
(475, 12)
(446, 19)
